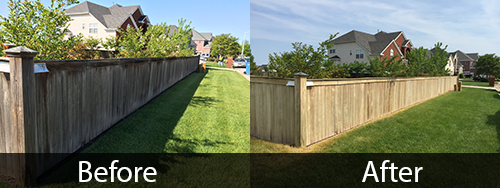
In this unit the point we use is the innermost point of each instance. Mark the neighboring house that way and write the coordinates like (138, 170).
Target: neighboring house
(192, 44)
(90, 19)
(466, 62)
(203, 42)
(357, 46)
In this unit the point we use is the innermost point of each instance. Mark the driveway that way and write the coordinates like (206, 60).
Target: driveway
(241, 71)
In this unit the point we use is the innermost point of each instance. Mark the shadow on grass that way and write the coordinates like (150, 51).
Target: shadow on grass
(180, 145)
(203, 101)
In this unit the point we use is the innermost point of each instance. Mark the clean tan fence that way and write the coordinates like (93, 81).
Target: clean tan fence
(301, 115)
(77, 100)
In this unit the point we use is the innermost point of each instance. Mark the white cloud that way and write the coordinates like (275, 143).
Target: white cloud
(470, 26)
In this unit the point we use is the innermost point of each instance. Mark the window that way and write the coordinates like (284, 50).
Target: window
(360, 54)
(392, 52)
(92, 27)
(332, 51)
(83, 25)
(350, 52)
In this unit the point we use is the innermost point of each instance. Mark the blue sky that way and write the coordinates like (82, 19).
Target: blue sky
(215, 16)
(469, 26)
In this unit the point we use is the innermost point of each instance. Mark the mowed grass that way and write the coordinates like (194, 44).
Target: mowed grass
(471, 82)
(455, 122)
(204, 113)
(215, 64)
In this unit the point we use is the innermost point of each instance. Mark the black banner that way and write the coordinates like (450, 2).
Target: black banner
(258, 170)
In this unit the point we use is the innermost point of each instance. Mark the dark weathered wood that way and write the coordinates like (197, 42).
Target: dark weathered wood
(23, 111)
(78, 100)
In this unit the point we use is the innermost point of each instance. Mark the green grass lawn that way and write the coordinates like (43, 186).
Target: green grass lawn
(470, 82)
(455, 122)
(215, 64)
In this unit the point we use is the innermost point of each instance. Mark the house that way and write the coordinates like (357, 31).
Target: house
(452, 63)
(90, 19)
(203, 42)
(357, 46)
(466, 63)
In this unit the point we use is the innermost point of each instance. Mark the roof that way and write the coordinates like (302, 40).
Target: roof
(201, 36)
(375, 44)
(462, 56)
(173, 29)
(473, 56)
(111, 17)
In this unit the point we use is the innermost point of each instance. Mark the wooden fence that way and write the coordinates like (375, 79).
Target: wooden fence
(308, 111)
(65, 108)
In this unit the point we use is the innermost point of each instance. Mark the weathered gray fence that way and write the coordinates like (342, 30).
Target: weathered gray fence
(300, 114)
(62, 110)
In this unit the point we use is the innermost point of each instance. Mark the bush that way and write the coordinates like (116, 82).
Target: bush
(212, 59)
(461, 75)
(480, 79)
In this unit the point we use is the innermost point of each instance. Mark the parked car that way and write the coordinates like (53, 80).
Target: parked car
(204, 57)
(239, 63)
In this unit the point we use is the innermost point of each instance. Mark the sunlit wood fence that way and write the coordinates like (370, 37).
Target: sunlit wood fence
(303, 111)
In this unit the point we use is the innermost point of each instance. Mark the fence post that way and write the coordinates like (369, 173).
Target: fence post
(300, 130)
(22, 82)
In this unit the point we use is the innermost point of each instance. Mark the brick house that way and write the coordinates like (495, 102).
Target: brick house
(90, 19)
(466, 63)
(357, 46)
(203, 42)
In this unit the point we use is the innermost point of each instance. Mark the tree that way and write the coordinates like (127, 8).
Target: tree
(40, 28)
(157, 41)
(488, 64)
(225, 45)
(304, 58)
(420, 64)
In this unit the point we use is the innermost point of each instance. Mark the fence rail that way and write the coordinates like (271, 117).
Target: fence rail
(77, 100)
(301, 115)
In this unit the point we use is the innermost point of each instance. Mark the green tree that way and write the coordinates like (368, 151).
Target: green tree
(438, 61)
(157, 41)
(40, 28)
(356, 68)
(304, 58)
(225, 45)
(420, 64)
(178, 42)
(488, 64)
(387, 67)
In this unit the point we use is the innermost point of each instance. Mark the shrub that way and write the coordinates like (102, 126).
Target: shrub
(304, 58)
(212, 59)
(356, 69)
(461, 75)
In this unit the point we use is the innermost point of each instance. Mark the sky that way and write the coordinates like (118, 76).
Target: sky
(215, 16)
(469, 26)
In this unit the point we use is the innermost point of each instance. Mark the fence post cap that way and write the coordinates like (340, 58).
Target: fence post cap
(20, 51)
(300, 74)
